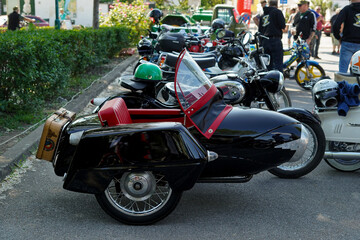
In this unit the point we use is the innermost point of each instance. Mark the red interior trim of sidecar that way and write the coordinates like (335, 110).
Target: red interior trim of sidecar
(155, 111)
(115, 112)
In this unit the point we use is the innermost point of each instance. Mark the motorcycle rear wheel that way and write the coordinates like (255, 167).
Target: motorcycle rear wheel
(302, 78)
(139, 198)
(311, 158)
(344, 165)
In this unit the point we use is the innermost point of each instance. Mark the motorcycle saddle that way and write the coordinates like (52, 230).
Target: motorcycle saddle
(350, 78)
(203, 62)
(129, 83)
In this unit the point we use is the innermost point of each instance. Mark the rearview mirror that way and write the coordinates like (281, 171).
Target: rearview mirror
(246, 38)
(220, 34)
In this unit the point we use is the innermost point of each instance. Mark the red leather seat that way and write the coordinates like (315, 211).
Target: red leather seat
(114, 112)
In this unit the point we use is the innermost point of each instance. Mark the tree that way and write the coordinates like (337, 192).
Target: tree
(207, 4)
(96, 14)
(324, 4)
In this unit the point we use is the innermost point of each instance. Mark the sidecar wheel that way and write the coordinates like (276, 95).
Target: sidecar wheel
(311, 158)
(139, 198)
(344, 165)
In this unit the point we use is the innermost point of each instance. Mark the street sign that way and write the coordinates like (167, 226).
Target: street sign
(283, 1)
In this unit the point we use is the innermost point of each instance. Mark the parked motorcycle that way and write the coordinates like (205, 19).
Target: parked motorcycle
(307, 72)
(138, 162)
(259, 89)
(340, 122)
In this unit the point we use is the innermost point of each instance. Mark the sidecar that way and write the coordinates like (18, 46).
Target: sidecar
(137, 162)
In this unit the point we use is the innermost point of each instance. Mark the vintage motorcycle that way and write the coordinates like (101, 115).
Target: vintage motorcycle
(340, 97)
(147, 90)
(138, 162)
(336, 104)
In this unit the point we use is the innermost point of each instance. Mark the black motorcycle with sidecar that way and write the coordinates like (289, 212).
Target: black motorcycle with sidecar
(138, 162)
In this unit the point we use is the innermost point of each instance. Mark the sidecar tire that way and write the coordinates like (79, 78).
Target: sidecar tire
(344, 165)
(304, 166)
(135, 214)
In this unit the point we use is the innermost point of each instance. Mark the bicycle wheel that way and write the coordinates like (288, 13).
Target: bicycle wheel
(303, 78)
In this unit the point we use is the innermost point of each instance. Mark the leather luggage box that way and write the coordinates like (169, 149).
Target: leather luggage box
(52, 130)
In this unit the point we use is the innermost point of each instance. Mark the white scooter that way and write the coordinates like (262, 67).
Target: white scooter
(342, 133)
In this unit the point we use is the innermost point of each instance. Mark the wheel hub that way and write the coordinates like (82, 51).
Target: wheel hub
(138, 186)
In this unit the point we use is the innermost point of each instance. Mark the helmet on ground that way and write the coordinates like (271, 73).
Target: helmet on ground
(355, 63)
(147, 72)
(156, 14)
(217, 23)
(325, 93)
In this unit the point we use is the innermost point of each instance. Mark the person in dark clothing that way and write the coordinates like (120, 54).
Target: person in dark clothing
(14, 19)
(305, 22)
(350, 37)
(334, 41)
(271, 24)
(319, 25)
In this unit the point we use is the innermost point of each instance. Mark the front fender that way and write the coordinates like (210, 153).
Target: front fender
(300, 114)
(106, 152)
(308, 62)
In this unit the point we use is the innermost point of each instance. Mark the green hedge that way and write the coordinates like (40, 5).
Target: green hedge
(36, 65)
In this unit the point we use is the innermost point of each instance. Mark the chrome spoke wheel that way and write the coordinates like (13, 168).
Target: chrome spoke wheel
(138, 193)
(309, 154)
(312, 156)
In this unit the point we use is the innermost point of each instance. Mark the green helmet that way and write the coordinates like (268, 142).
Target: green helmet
(148, 72)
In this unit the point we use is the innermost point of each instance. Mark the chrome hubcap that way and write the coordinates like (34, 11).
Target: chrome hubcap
(138, 186)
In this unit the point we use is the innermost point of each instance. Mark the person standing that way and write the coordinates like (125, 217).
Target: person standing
(305, 22)
(271, 24)
(350, 37)
(62, 14)
(14, 19)
(289, 24)
(319, 26)
(256, 19)
(334, 41)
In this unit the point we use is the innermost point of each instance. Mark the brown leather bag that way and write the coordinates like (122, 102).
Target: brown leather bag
(51, 134)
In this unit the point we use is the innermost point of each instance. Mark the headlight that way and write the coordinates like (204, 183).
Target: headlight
(273, 81)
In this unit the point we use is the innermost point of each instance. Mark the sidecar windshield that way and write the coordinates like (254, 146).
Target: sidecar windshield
(198, 97)
(191, 82)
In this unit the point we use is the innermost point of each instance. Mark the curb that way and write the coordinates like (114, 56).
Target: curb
(25, 147)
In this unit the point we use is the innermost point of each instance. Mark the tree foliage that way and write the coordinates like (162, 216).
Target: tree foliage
(133, 15)
(324, 4)
(207, 4)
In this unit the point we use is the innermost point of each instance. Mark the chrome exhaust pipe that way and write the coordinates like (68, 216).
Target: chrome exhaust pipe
(342, 155)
